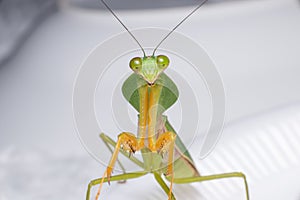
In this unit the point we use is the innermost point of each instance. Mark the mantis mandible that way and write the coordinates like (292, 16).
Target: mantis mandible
(151, 92)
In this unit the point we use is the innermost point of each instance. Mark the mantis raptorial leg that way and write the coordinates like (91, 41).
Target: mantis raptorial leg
(111, 151)
(166, 142)
(107, 140)
(127, 142)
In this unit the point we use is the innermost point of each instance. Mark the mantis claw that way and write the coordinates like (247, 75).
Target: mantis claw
(109, 172)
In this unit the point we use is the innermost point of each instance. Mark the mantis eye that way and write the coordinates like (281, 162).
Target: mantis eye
(135, 63)
(162, 61)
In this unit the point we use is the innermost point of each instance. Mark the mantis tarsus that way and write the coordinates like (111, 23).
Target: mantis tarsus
(150, 91)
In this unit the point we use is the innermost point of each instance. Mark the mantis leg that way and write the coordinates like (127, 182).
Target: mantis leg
(111, 151)
(127, 142)
(120, 177)
(163, 185)
(214, 177)
(166, 143)
(108, 141)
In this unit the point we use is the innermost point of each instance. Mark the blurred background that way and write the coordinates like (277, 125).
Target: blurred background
(254, 44)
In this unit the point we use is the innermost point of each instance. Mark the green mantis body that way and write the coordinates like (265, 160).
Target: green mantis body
(151, 92)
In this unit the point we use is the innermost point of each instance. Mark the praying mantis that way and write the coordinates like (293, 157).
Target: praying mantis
(150, 91)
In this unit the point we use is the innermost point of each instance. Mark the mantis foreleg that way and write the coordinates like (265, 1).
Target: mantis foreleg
(111, 150)
(166, 143)
(107, 140)
(126, 141)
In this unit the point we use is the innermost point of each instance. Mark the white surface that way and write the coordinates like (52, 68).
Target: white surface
(267, 149)
(255, 45)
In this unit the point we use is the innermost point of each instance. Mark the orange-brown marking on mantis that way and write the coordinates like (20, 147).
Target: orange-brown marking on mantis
(143, 93)
(152, 115)
(129, 143)
(166, 142)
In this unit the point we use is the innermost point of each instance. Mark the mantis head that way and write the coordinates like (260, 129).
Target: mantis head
(149, 67)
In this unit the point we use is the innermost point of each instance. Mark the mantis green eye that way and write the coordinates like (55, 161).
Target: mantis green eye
(162, 61)
(135, 63)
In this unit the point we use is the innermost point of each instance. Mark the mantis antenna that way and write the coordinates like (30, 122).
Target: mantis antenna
(112, 12)
(185, 18)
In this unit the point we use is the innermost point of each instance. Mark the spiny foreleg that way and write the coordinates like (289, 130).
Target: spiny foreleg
(127, 142)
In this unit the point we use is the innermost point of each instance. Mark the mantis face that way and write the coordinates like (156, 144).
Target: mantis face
(149, 67)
